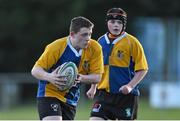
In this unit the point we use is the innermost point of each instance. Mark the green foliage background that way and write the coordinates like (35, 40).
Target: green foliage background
(26, 26)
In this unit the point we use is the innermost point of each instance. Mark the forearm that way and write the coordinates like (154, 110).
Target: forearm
(93, 86)
(39, 73)
(90, 79)
(139, 75)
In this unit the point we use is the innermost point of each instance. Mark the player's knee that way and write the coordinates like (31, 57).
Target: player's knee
(95, 118)
(52, 118)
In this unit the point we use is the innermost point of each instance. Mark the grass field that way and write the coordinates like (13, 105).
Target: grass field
(29, 112)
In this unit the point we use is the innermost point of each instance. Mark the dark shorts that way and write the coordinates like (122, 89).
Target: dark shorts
(115, 106)
(50, 106)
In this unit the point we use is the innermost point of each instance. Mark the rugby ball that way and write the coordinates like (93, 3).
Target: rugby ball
(70, 70)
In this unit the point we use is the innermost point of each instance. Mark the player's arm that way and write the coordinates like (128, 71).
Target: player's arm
(90, 78)
(92, 91)
(141, 67)
(139, 75)
(39, 73)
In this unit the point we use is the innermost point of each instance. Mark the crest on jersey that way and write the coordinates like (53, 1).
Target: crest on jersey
(86, 66)
(120, 54)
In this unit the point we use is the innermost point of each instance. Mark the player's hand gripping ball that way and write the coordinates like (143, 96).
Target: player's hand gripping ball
(70, 71)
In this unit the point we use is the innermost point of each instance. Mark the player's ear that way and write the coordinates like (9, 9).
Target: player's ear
(72, 34)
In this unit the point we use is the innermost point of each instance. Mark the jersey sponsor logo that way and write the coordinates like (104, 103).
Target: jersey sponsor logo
(96, 107)
(54, 107)
(120, 54)
(128, 112)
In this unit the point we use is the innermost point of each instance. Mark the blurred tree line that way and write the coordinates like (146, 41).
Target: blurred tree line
(26, 26)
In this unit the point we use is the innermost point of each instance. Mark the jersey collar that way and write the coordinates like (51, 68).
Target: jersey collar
(116, 40)
(78, 54)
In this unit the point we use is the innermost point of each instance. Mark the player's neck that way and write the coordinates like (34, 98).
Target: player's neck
(113, 37)
(74, 45)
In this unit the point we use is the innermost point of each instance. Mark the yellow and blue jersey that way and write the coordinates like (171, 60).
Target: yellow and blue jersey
(88, 61)
(122, 57)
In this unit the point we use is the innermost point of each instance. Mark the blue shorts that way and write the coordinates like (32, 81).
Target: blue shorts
(50, 106)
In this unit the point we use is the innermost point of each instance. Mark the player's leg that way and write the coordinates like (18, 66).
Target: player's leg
(52, 118)
(127, 108)
(49, 108)
(68, 111)
(96, 118)
(98, 112)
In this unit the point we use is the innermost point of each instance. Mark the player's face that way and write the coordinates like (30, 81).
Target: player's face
(82, 37)
(115, 26)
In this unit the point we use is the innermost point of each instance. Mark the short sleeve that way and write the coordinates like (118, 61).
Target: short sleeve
(96, 60)
(47, 59)
(139, 56)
